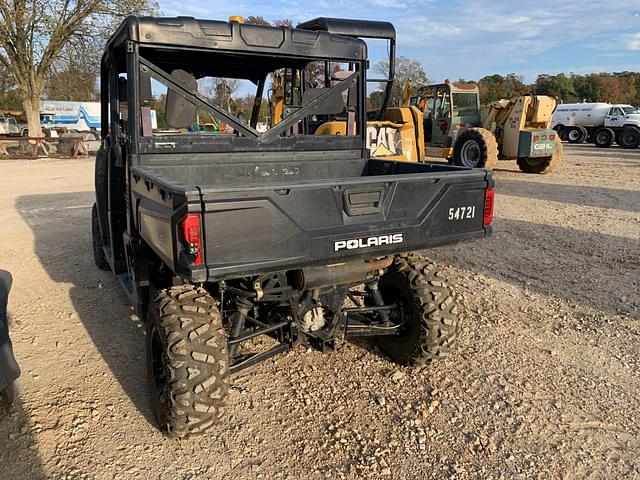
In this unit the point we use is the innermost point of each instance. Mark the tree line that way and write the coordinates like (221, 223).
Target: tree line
(618, 87)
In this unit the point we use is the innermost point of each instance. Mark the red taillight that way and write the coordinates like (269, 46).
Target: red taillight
(190, 227)
(536, 138)
(552, 137)
(488, 206)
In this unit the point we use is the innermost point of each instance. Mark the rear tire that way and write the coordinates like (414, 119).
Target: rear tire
(603, 137)
(542, 164)
(476, 148)
(576, 135)
(187, 360)
(98, 241)
(629, 137)
(427, 306)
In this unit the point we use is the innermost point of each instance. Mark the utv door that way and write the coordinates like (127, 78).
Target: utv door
(110, 167)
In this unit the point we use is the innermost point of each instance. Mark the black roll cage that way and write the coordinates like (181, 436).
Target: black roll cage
(362, 29)
(112, 59)
(192, 96)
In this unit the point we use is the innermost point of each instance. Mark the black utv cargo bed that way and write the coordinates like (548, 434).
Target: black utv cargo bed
(276, 215)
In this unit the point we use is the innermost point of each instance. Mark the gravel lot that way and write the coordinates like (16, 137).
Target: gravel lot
(545, 383)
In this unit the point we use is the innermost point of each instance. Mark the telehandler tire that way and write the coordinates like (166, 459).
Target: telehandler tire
(476, 148)
(427, 306)
(542, 164)
(603, 137)
(576, 135)
(187, 360)
(98, 241)
(629, 137)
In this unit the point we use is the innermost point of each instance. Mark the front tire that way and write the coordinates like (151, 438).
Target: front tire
(187, 360)
(427, 308)
(476, 148)
(629, 137)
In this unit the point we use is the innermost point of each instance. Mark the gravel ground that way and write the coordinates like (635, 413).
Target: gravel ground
(545, 383)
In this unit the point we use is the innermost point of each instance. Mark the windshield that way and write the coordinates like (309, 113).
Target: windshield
(282, 98)
(629, 109)
(465, 102)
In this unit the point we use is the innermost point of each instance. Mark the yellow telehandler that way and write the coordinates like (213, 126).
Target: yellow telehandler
(443, 121)
(457, 128)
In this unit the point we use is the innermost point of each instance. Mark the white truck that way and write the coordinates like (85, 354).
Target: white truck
(8, 125)
(71, 116)
(601, 123)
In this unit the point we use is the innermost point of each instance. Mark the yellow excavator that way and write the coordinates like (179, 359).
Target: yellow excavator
(444, 120)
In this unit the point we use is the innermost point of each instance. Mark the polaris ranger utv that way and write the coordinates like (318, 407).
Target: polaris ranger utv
(221, 233)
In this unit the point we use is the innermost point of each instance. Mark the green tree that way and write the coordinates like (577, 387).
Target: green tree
(584, 87)
(374, 102)
(496, 87)
(559, 86)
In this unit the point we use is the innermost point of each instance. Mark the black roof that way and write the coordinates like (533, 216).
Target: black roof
(351, 28)
(234, 37)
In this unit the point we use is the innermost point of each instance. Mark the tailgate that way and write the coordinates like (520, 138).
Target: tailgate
(249, 230)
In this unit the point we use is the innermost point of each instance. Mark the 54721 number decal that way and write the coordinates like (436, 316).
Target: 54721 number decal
(461, 213)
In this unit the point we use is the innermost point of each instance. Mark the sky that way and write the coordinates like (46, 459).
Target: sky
(472, 38)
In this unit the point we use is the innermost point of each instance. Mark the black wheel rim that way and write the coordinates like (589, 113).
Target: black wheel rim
(157, 363)
(470, 154)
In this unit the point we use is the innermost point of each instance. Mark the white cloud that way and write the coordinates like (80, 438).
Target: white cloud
(389, 3)
(471, 38)
(633, 41)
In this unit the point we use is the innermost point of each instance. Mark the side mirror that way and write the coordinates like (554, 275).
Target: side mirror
(180, 112)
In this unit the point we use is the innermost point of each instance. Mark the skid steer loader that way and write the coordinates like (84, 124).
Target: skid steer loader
(457, 128)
